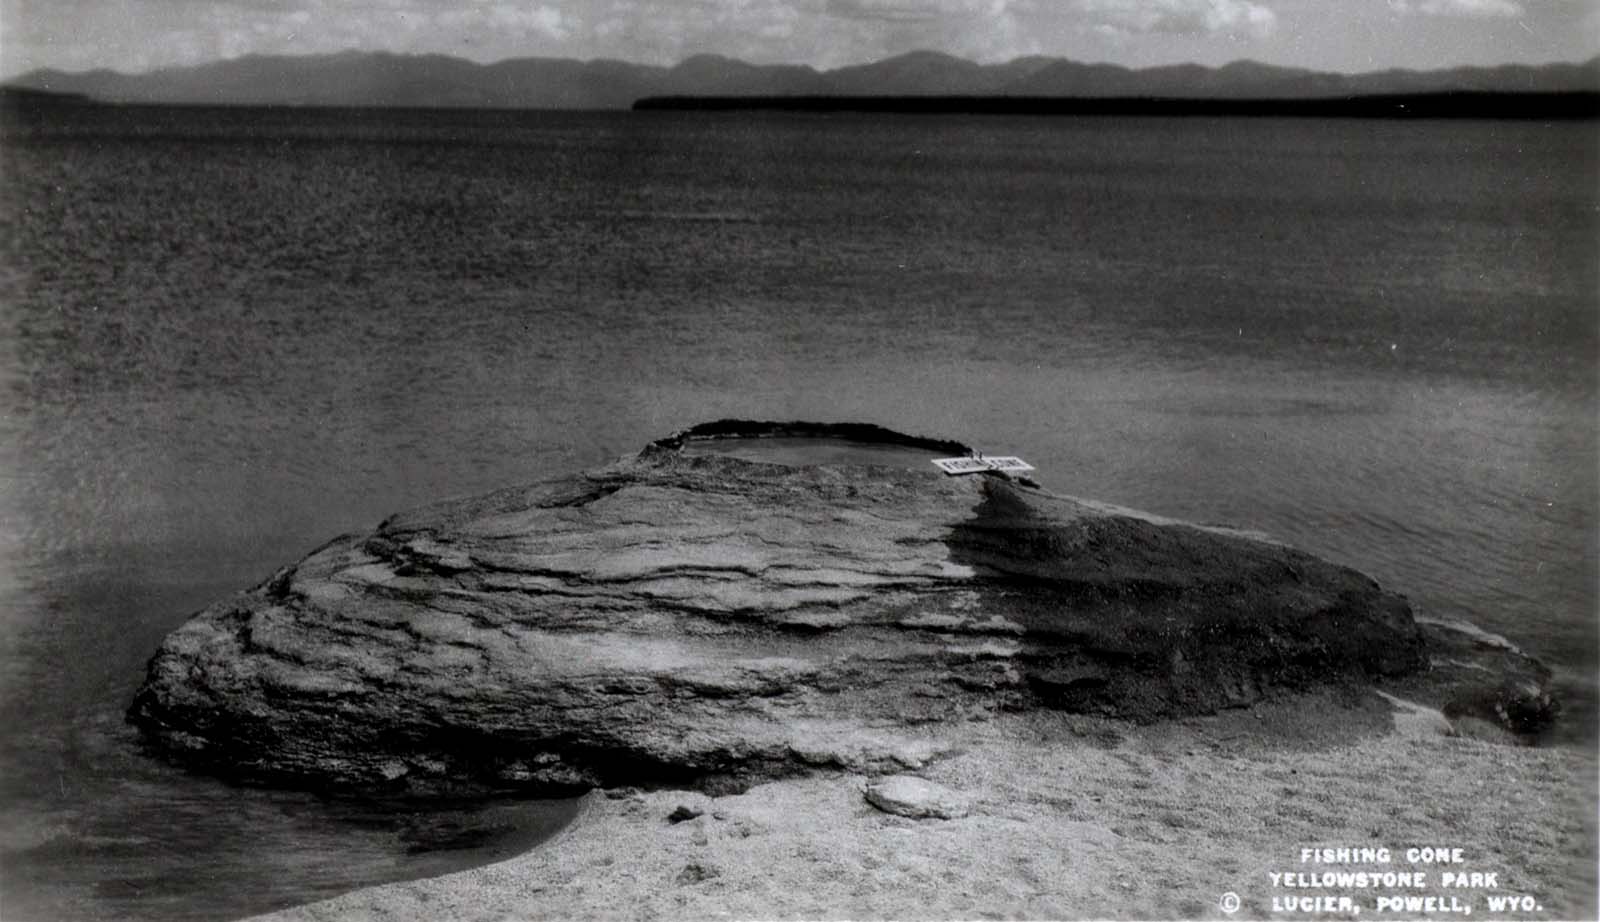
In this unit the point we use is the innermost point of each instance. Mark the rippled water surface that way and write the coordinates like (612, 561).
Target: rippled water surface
(227, 335)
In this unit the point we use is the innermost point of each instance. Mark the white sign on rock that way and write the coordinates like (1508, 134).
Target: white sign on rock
(978, 463)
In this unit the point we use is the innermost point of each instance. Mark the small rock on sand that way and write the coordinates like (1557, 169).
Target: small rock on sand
(695, 872)
(917, 798)
(684, 812)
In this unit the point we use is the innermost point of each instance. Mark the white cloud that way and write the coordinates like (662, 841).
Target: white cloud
(1474, 8)
(546, 21)
(882, 11)
(857, 31)
(1238, 18)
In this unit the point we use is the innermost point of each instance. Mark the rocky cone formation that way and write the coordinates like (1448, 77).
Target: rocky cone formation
(698, 619)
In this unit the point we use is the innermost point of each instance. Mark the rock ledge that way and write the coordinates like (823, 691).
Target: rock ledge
(693, 619)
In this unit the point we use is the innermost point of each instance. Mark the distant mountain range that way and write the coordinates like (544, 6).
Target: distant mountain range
(434, 81)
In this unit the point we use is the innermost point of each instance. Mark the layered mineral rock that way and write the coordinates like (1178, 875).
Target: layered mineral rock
(696, 618)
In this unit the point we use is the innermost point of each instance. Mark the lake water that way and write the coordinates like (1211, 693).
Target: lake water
(230, 335)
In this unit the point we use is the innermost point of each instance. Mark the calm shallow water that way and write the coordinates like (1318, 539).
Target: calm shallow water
(229, 335)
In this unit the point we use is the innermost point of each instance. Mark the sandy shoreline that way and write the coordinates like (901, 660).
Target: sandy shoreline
(1069, 818)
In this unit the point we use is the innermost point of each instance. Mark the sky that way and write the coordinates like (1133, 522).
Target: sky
(1338, 35)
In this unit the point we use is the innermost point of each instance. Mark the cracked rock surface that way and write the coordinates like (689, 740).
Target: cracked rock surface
(699, 619)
